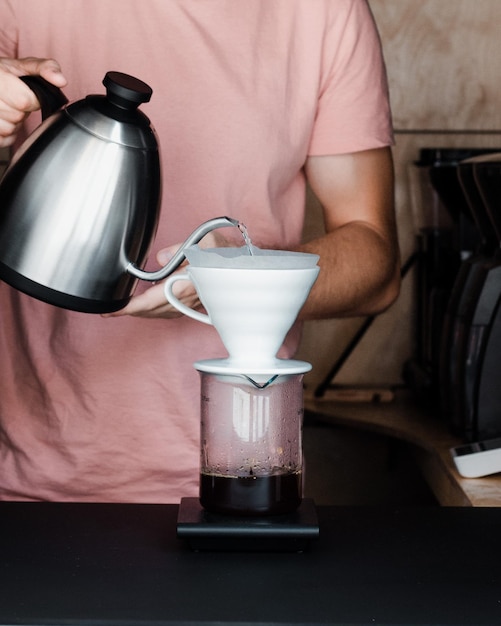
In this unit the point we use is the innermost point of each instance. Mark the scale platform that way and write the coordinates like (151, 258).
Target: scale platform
(203, 530)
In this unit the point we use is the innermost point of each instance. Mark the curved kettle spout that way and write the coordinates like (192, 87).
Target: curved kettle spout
(178, 258)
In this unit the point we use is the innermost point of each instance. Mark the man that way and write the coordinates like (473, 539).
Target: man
(250, 99)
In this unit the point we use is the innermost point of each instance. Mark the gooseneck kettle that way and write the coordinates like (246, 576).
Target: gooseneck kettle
(80, 201)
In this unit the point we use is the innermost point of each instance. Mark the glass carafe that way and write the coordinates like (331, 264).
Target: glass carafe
(251, 444)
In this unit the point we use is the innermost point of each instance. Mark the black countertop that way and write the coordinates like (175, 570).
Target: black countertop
(123, 564)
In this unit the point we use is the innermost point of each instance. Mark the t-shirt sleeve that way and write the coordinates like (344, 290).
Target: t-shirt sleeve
(353, 111)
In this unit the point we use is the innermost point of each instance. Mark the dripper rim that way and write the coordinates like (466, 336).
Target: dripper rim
(274, 366)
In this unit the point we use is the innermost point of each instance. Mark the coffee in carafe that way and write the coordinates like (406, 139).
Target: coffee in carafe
(251, 451)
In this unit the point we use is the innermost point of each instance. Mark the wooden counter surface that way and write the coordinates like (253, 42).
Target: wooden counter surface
(430, 439)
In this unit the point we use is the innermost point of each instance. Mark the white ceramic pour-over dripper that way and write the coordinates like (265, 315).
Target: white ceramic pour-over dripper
(252, 301)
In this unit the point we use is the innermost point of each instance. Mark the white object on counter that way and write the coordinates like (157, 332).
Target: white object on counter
(478, 459)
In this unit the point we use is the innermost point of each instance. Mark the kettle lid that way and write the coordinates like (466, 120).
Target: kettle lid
(126, 91)
(115, 117)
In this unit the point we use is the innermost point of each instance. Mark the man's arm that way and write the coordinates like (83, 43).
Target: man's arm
(359, 255)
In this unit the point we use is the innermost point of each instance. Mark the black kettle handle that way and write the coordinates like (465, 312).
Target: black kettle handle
(51, 98)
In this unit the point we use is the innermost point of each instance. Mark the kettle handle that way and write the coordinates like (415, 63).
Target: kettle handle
(51, 98)
(178, 258)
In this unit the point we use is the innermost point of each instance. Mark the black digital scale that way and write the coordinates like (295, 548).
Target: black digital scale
(203, 530)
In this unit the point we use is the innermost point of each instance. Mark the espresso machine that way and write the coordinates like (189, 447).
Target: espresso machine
(452, 234)
(469, 312)
(476, 410)
(445, 235)
(251, 402)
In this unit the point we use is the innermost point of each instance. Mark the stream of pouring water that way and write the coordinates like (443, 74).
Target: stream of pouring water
(245, 234)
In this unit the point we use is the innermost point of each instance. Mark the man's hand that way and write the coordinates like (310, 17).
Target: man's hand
(16, 99)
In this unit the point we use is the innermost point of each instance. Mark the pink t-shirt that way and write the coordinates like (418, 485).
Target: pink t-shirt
(97, 409)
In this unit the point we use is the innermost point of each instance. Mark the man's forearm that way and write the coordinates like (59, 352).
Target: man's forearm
(359, 254)
(352, 284)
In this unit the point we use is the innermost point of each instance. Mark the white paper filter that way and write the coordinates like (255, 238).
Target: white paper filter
(240, 258)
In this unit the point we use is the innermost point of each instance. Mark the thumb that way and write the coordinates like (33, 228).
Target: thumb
(46, 68)
(52, 72)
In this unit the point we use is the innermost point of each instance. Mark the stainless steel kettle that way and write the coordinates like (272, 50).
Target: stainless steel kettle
(80, 201)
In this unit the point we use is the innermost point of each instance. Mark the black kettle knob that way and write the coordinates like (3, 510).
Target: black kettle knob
(126, 91)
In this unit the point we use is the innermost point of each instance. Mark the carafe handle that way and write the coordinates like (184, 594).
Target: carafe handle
(177, 304)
